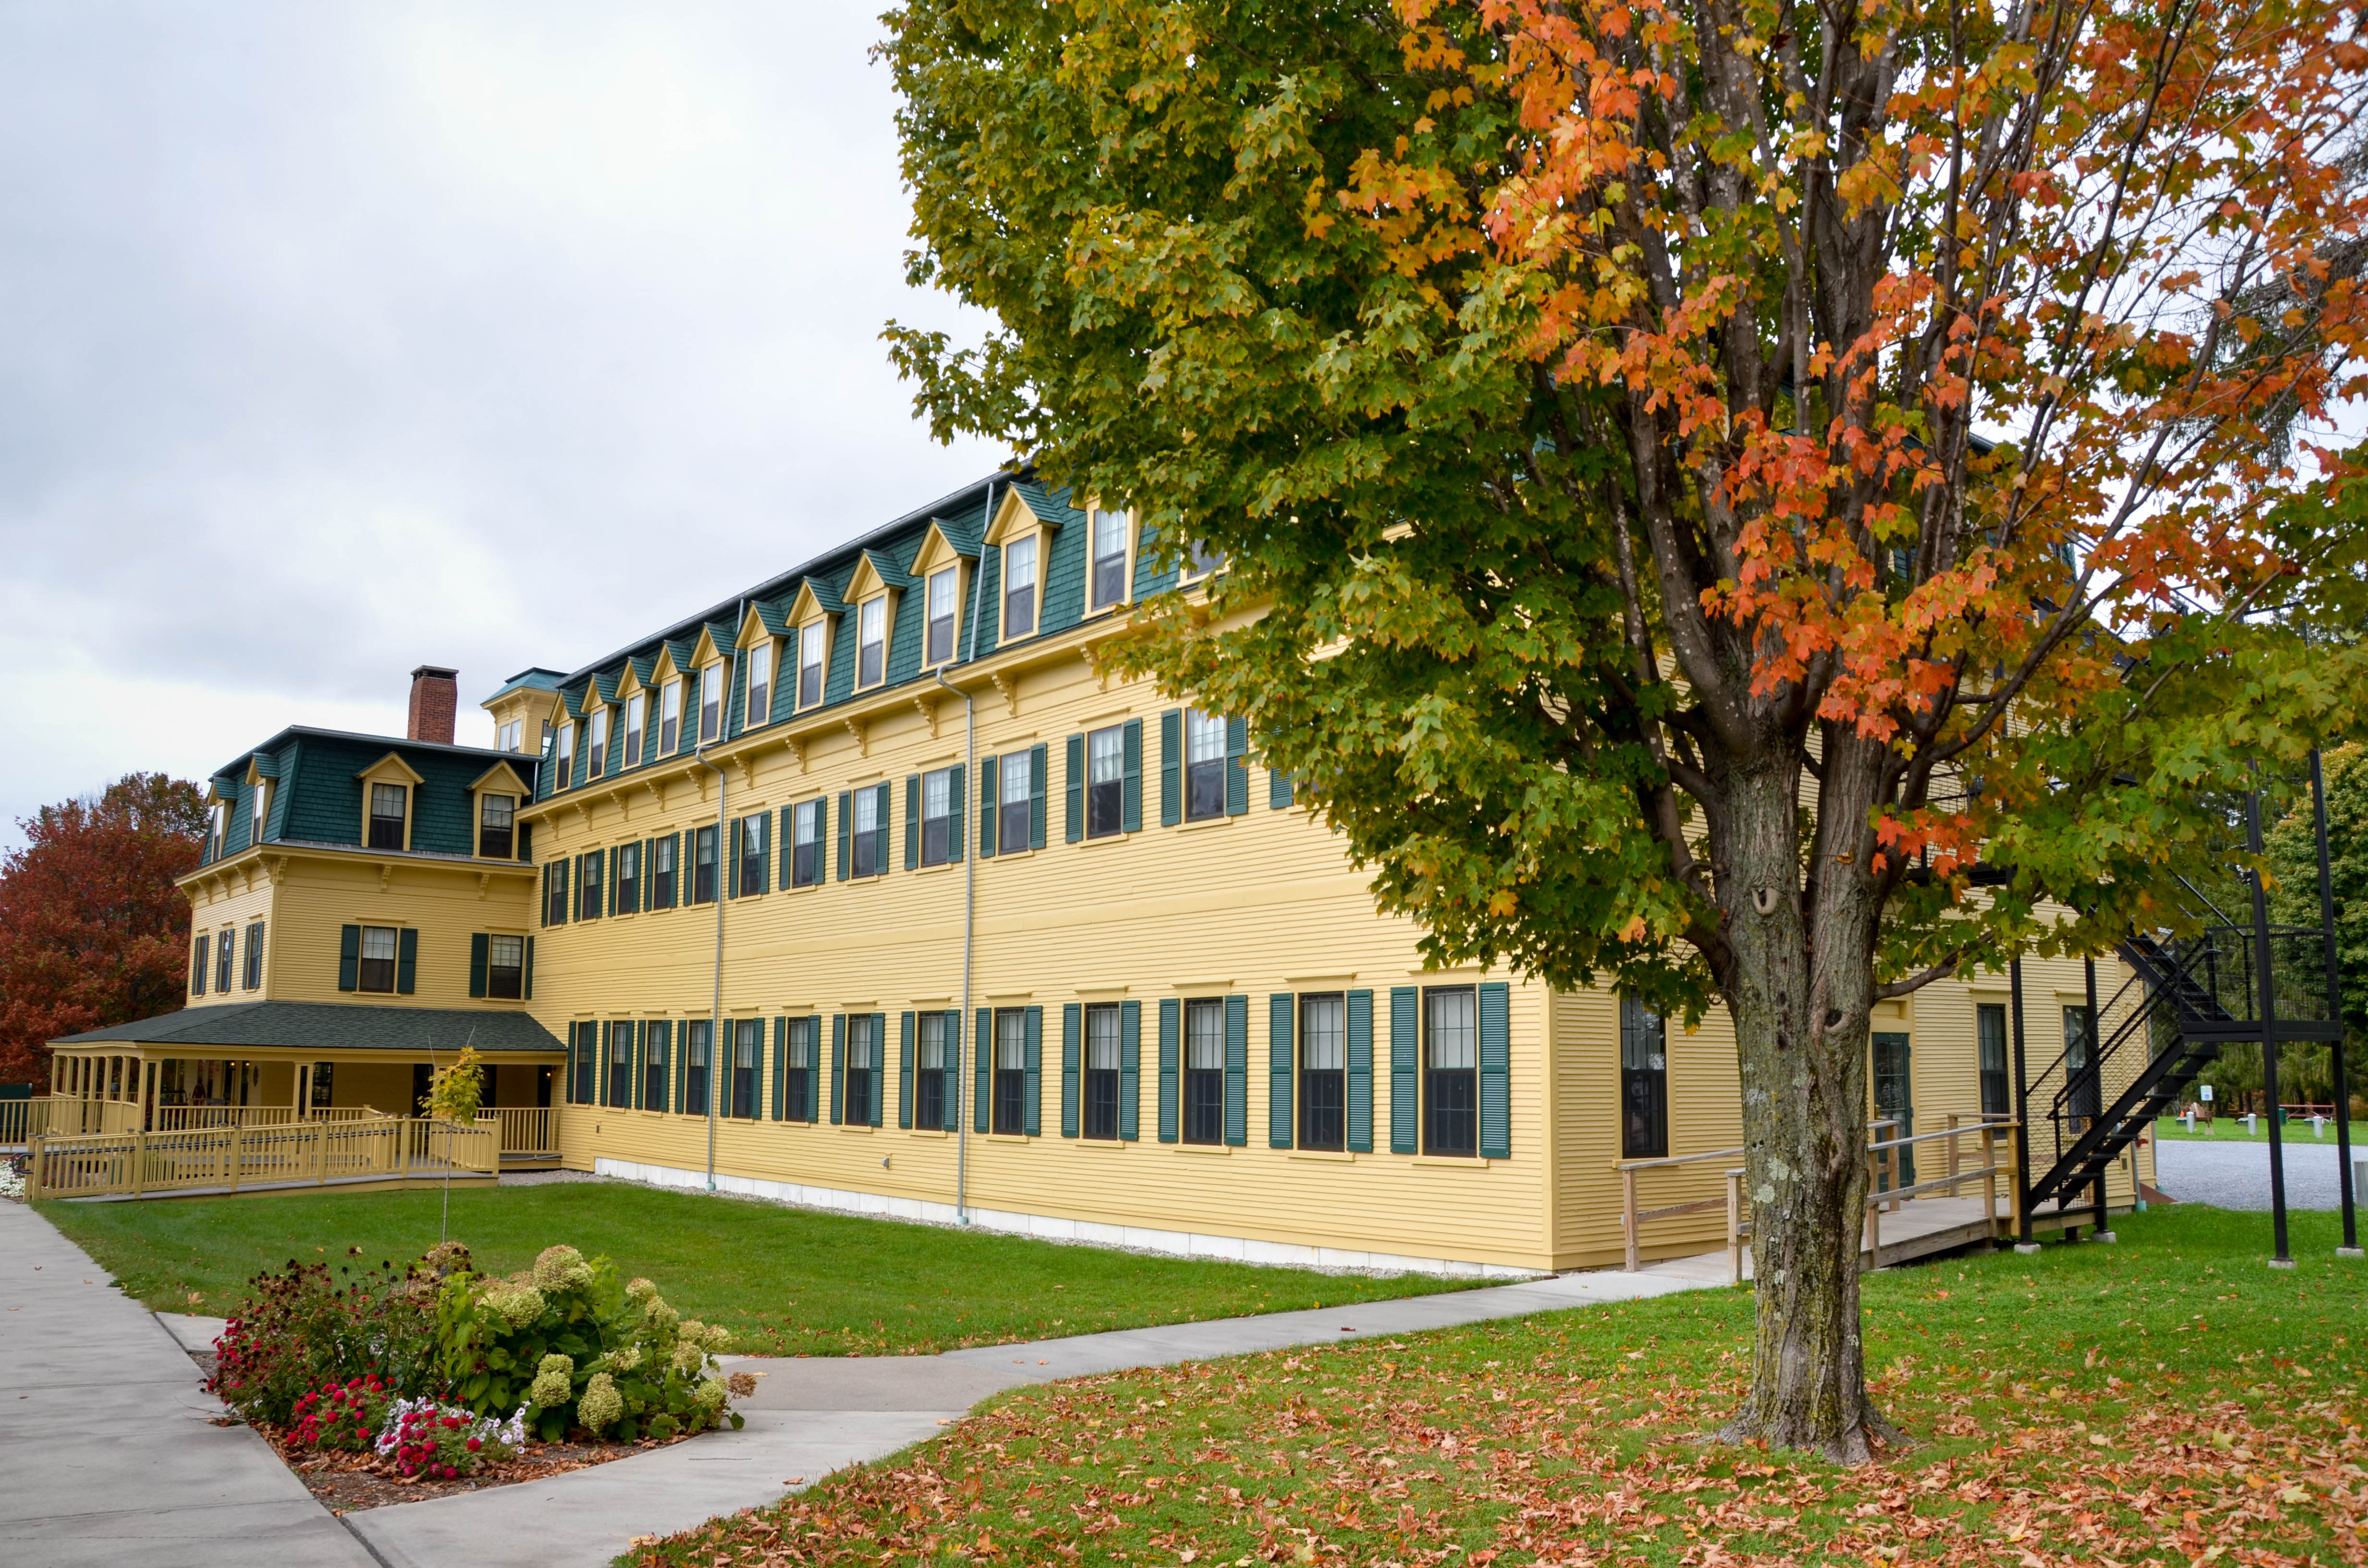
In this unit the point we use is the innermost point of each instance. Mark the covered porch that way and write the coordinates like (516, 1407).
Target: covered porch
(277, 1063)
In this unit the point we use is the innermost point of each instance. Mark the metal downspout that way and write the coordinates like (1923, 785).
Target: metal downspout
(970, 871)
(722, 847)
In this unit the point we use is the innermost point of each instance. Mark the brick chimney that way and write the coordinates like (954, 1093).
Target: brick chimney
(435, 697)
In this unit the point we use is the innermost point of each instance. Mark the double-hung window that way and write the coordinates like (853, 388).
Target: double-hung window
(655, 1046)
(225, 949)
(802, 1056)
(1450, 1078)
(588, 888)
(865, 834)
(761, 684)
(496, 815)
(1204, 765)
(662, 855)
(863, 1066)
(1102, 1071)
(702, 865)
(509, 737)
(255, 957)
(1202, 559)
(1010, 1070)
(554, 883)
(596, 743)
(944, 597)
(809, 641)
(629, 879)
(621, 1064)
(711, 703)
(506, 968)
(199, 947)
(696, 1035)
(1644, 1082)
(637, 708)
(936, 816)
(584, 1061)
(376, 970)
(805, 844)
(872, 642)
(747, 1050)
(1016, 790)
(1989, 1031)
(1018, 588)
(1109, 558)
(221, 833)
(1105, 780)
(670, 718)
(755, 843)
(388, 802)
(1204, 1070)
(566, 755)
(1323, 1072)
(258, 811)
(929, 1088)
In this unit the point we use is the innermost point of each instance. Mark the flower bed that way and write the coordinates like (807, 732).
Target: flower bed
(383, 1385)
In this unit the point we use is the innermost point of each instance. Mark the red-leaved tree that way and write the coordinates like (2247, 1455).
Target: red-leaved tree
(92, 930)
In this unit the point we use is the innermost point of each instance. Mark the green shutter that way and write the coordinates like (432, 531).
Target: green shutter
(1281, 1010)
(1171, 768)
(912, 822)
(657, 1046)
(814, 1070)
(1496, 1072)
(1038, 760)
(406, 960)
(1278, 790)
(880, 1048)
(950, 1095)
(904, 1075)
(572, 1050)
(1070, 1022)
(731, 860)
(844, 816)
(784, 844)
(1360, 1072)
(1405, 1069)
(526, 980)
(1129, 817)
(1031, 1102)
(1073, 785)
(1237, 1071)
(350, 959)
(480, 953)
(781, 1066)
(679, 1090)
(600, 1067)
(1170, 1026)
(956, 809)
(1237, 772)
(838, 1074)
(887, 801)
(1130, 1069)
(982, 1056)
(987, 771)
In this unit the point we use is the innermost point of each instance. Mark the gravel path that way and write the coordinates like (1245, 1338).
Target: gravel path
(2237, 1176)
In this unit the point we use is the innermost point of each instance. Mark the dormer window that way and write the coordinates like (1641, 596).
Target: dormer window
(1109, 558)
(221, 830)
(1019, 587)
(1202, 560)
(637, 708)
(760, 682)
(258, 810)
(945, 595)
(510, 736)
(389, 805)
(595, 744)
(495, 813)
(566, 753)
(810, 652)
(711, 703)
(872, 642)
(670, 719)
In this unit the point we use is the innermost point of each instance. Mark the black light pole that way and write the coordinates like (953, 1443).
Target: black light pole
(2022, 1241)
(2351, 1247)
(2265, 1009)
(2102, 1228)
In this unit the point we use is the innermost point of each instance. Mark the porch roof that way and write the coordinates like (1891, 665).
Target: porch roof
(330, 1027)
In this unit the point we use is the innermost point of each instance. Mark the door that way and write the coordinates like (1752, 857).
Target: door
(1894, 1102)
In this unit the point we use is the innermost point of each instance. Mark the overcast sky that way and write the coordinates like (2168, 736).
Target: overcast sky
(344, 337)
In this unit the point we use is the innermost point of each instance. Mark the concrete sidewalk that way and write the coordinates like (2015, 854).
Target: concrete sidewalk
(104, 1442)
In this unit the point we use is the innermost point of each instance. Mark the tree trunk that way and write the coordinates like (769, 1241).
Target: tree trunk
(1800, 990)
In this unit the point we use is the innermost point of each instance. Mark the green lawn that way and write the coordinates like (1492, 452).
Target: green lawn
(2232, 1128)
(2168, 1401)
(788, 1281)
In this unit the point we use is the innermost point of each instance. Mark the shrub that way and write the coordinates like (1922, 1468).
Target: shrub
(442, 1442)
(345, 1416)
(306, 1327)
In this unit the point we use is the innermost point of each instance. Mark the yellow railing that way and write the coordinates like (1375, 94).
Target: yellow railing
(310, 1152)
(193, 1117)
(528, 1133)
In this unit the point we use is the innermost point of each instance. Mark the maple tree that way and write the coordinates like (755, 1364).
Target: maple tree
(92, 930)
(1765, 504)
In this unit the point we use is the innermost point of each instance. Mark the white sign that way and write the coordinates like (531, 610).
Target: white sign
(2204, 1090)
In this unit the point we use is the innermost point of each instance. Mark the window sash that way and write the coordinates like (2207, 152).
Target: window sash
(388, 802)
(378, 951)
(1110, 557)
(506, 968)
(1324, 1034)
(760, 683)
(1453, 1037)
(1205, 1036)
(710, 702)
(595, 759)
(936, 816)
(754, 844)
(1018, 588)
(867, 830)
(495, 816)
(810, 640)
(942, 596)
(636, 709)
(226, 947)
(670, 718)
(871, 642)
(1101, 1037)
(931, 1045)
(703, 874)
